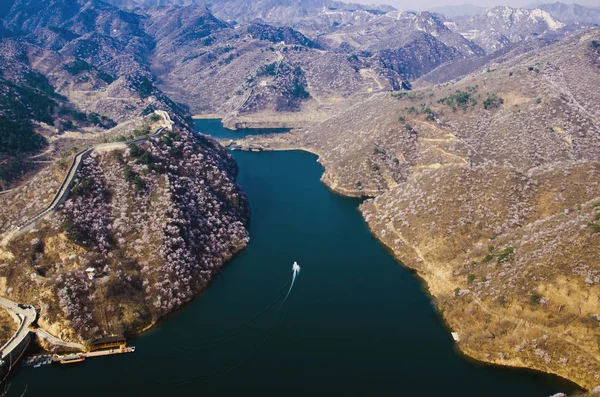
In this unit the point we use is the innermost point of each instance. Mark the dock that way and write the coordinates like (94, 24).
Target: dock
(38, 360)
(99, 353)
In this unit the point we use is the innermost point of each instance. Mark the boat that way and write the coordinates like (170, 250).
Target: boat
(73, 358)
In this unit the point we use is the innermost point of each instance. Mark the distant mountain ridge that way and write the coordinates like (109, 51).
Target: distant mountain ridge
(248, 10)
(502, 25)
(463, 10)
(572, 13)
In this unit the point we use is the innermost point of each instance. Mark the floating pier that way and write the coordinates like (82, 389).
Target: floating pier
(107, 346)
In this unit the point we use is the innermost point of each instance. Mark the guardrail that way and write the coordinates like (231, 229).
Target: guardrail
(14, 336)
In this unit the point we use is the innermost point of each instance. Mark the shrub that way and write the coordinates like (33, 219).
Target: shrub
(138, 183)
(407, 95)
(267, 70)
(77, 66)
(459, 99)
(470, 278)
(144, 87)
(107, 78)
(534, 299)
(299, 91)
(128, 173)
(135, 150)
(18, 136)
(492, 102)
(505, 254)
(430, 116)
(146, 158)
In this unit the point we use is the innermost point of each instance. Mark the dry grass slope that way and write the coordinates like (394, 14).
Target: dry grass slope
(490, 188)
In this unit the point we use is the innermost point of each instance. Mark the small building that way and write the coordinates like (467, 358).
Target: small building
(107, 342)
(91, 272)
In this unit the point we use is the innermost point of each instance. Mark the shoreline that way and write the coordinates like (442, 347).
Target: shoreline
(207, 116)
(465, 354)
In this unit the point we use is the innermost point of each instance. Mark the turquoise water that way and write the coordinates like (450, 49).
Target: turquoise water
(356, 323)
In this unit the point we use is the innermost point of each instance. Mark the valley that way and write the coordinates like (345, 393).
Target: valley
(467, 137)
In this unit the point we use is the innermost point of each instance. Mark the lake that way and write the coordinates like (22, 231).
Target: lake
(356, 322)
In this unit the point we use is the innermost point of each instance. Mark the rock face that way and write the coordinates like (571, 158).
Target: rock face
(500, 26)
(490, 189)
(152, 224)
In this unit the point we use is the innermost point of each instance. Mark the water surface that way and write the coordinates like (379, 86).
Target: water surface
(355, 324)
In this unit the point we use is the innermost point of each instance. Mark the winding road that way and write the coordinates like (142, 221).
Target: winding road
(24, 315)
(65, 187)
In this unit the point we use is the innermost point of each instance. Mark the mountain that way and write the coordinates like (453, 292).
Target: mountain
(77, 74)
(272, 11)
(572, 13)
(463, 10)
(488, 188)
(474, 142)
(500, 26)
(361, 30)
(256, 72)
(248, 73)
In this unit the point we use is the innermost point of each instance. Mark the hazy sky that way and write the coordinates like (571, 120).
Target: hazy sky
(427, 4)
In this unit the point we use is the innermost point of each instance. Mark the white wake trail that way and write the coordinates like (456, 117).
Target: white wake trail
(289, 290)
(296, 270)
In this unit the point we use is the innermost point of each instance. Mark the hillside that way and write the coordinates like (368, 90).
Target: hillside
(155, 222)
(244, 11)
(474, 141)
(572, 13)
(166, 215)
(500, 26)
(488, 188)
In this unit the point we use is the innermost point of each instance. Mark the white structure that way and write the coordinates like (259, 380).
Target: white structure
(91, 272)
